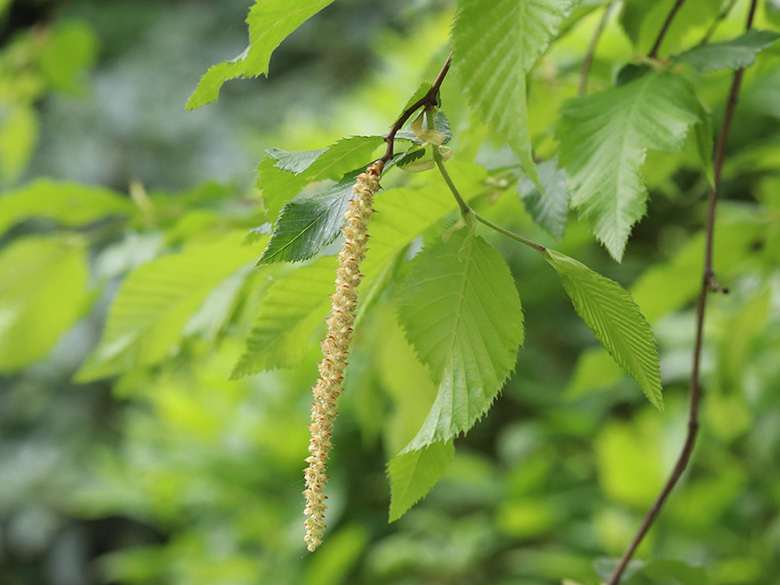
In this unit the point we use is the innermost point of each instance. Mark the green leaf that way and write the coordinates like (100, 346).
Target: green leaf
(551, 210)
(669, 572)
(69, 204)
(495, 46)
(604, 140)
(18, 137)
(148, 315)
(462, 314)
(642, 20)
(282, 174)
(734, 54)
(292, 308)
(613, 316)
(270, 22)
(307, 224)
(413, 473)
(42, 292)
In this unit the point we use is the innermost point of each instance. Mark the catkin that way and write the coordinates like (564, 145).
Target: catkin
(335, 349)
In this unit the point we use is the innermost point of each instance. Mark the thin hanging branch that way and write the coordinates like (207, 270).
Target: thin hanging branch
(664, 29)
(708, 284)
(594, 41)
(430, 99)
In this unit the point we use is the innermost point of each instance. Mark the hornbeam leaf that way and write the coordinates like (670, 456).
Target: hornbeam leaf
(462, 314)
(288, 315)
(552, 211)
(413, 473)
(270, 22)
(734, 54)
(495, 46)
(66, 203)
(604, 140)
(43, 290)
(147, 318)
(282, 174)
(307, 224)
(613, 316)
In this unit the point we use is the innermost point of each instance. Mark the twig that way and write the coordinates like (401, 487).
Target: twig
(465, 208)
(588, 59)
(708, 284)
(716, 23)
(653, 54)
(430, 99)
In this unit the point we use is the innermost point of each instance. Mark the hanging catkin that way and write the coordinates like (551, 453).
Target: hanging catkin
(335, 349)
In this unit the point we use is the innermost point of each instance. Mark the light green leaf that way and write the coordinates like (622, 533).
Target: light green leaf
(307, 224)
(270, 22)
(290, 312)
(462, 314)
(70, 204)
(413, 473)
(613, 316)
(734, 54)
(42, 292)
(18, 137)
(604, 140)
(495, 46)
(148, 315)
(282, 174)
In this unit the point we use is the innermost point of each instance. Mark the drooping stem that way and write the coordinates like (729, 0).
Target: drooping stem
(664, 29)
(708, 284)
(594, 41)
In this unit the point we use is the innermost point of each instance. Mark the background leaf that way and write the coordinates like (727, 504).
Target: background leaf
(496, 44)
(604, 140)
(551, 209)
(463, 316)
(613, 316)
(734, 54)
(155, 302)
(270, 22)
(42, 292)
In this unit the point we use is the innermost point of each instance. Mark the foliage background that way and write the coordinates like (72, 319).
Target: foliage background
(174, 474)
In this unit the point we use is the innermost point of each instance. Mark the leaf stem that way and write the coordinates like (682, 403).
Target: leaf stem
(653, 54)
(716, 23)
(594, 41)
(465, 208)
(708, 284)
(430, 99)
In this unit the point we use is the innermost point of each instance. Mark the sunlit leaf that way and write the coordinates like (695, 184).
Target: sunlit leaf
(290, 311)
(613, 316)
(604, 140)
(463, 316)
(270, 22)
(413, 473)
(496, 45)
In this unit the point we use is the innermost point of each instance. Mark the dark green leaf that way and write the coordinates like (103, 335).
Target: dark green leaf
(306, 224)
(734, 54)
(552, 209)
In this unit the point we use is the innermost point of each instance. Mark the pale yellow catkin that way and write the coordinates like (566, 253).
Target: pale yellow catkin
(335, 349)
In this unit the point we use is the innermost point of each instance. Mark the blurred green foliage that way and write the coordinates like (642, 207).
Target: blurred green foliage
(170, 472)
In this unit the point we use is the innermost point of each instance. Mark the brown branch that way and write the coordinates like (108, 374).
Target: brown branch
(588, 59)
(708, 284)
(428, 100)
(653, 54)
